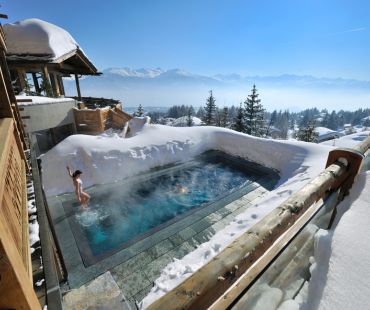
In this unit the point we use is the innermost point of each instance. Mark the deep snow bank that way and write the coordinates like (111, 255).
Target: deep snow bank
(341, 272)
(108, 159)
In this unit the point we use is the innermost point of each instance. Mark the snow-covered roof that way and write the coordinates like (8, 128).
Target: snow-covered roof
(38, 38)
(326, 133)
(32, 40)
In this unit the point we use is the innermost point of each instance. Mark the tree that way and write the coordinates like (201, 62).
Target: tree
(254, 114)
(200, 113)
(189, 117)
(46, 87)
(272, 121)
(140, 111)
(308, 133)
(225, 116)
(210, 109)
(239, 120)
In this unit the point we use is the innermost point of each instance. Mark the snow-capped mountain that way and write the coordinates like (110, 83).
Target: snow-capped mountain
(159, 87)
(140, 73)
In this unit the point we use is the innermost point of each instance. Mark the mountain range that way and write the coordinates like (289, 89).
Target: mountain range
(158, 87)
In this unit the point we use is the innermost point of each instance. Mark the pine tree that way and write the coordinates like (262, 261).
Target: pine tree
(225, 116)
(189, 117)
(254, 114)
(140, 111)
(210, 110)
(239, 120)
(271, 122)
(307, 133)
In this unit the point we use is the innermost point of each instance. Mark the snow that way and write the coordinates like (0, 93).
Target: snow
(106, 159)
(348, 140)
(38, 100)
(342, 268)
(38, 38)
(183, 120)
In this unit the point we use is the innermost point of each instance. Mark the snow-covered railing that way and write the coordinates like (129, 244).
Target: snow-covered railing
(217, 284)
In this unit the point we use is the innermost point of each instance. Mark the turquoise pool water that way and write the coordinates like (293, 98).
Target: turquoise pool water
(123, 214)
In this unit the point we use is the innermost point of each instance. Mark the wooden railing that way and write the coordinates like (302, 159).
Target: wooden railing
(217, 284)
(16, 289)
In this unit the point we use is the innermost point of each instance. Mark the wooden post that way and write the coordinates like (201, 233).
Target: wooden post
(45, 73)
(78, 87)
(55, 84)
(22, 79)
(61, 86)
(36, 83)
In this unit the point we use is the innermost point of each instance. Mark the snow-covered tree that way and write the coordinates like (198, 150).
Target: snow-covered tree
(189, 117)
(224, 117)
(140, 111)
(238, 124)
(254, 114)
(210, 110)
(307, 133)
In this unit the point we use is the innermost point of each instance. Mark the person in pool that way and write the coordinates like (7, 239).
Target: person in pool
(83, 197)
(179, 189)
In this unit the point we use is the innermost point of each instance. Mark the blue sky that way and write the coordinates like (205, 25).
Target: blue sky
(323, 38)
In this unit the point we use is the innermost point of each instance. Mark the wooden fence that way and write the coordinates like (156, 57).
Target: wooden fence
(217, 284)
(97, 120)
(16, 289)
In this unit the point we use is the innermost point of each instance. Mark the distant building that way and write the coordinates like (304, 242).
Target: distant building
(325, 134)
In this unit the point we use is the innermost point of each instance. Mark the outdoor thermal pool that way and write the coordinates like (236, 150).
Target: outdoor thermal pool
(126, 218)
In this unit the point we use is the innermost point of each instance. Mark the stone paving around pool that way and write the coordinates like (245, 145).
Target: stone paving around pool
(135, 277)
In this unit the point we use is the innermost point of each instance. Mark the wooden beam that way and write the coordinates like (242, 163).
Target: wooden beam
(54, 84)
(36, 83)
(22, 79)
(61, 86)
(78, 87)
(45, 73)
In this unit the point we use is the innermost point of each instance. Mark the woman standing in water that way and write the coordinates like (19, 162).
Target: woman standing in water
(83, 197)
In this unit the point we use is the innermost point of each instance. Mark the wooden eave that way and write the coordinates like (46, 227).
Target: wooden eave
(74, 62)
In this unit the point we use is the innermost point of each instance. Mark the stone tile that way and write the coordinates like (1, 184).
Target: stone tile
(200, 225)
(232, 206)
(187, 233)
(205, 235)
(161, 248)
(176, 239)
(132, 265)
(223, 212)
(153, 270)
(181, 250)
(133, 283)
(251, 196)
(218, 226)
(213, 218)
(140, 296)
(101, 293)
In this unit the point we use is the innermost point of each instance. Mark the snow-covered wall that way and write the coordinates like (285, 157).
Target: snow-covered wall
(106, 159)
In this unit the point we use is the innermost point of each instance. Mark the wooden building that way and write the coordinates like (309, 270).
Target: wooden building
(16, 290)
(40, 54)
